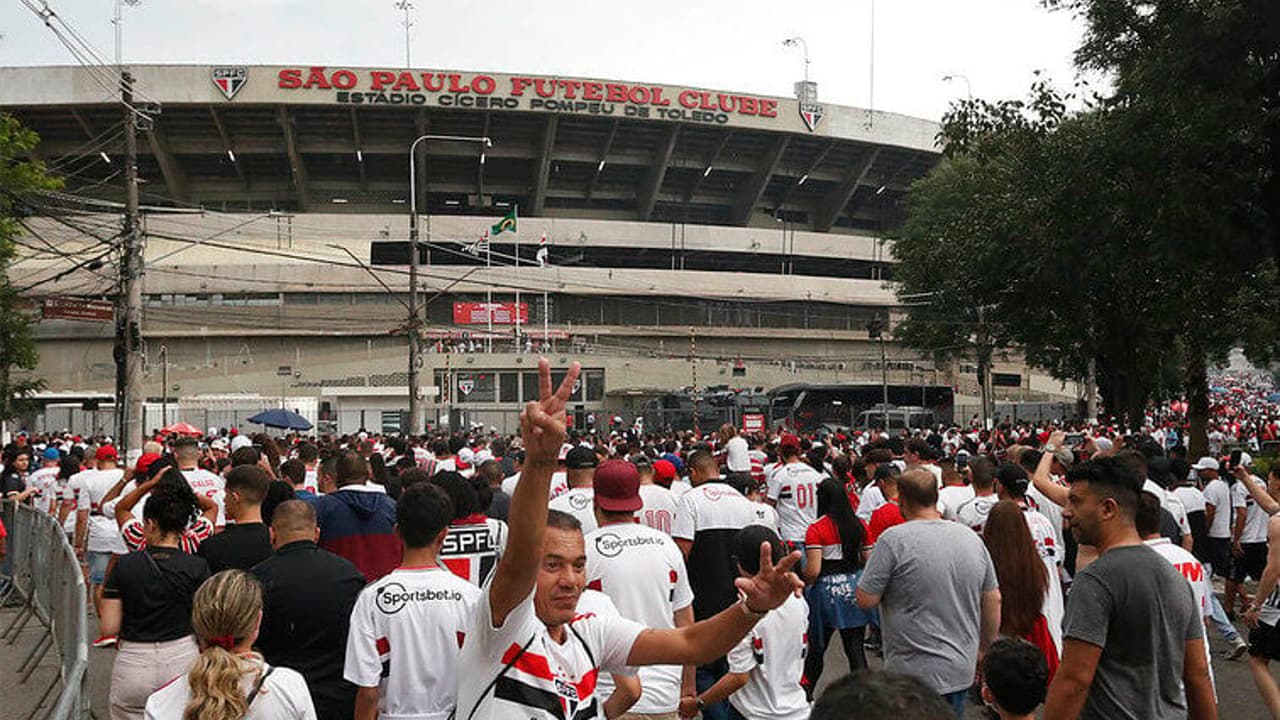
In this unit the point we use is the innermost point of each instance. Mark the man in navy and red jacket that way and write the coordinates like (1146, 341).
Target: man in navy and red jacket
(357, 521)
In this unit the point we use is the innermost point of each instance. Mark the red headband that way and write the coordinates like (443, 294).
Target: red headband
(226, 642)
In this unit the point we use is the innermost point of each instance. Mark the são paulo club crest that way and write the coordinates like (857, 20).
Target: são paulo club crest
(812, 114)
(229, 80)
(466, 385)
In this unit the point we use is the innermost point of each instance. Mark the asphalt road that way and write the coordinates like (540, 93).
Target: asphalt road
(1237, 697)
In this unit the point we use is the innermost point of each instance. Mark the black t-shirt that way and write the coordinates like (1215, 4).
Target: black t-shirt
(239, 547)
(155, 587)
(307, 596)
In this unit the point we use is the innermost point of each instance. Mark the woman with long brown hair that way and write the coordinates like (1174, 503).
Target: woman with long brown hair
(1024, 580)
(228, 680)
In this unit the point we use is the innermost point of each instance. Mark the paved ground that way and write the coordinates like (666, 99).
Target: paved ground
(1238, 699)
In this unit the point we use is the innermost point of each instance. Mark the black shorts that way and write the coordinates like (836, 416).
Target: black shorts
(1253, 562)
(1220, 556)
(1264, 642)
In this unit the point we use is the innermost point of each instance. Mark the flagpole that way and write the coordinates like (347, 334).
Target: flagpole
(517, 282)
(488, 264)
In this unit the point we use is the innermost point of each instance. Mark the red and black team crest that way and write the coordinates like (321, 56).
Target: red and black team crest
(229, 80)
(812, 114)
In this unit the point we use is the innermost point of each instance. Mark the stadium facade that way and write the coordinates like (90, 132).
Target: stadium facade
(666, 236)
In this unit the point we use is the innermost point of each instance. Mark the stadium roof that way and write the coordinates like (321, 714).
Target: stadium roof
(336, 139)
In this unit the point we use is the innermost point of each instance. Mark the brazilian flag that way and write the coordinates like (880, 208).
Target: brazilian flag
(507, 223)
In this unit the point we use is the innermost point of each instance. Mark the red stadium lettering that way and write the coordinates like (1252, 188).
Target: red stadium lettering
(456, 85)
(657, 96)
(406, 81)
(518, 85)
(344, 80)
(482, 85)
(316, 79)
(379, 79)
(426, 82)
(545, 88)
(571, 88)
(615, 92)
(747, 106)
(688, 98)
(592, 91)
(290, 79)
(639, 95)
(768, 108)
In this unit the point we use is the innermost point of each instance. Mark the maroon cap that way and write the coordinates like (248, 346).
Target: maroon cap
(617, 486)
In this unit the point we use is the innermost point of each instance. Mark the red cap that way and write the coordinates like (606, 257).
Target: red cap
(617, 486)
(789, 440)
(664, 470)
(106, 452)
(144, 463)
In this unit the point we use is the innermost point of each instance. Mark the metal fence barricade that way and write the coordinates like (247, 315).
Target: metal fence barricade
(46, 578)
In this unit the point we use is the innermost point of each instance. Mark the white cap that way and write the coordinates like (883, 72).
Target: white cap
(1208, 463)
(1245, 459)
(240, 441)
(219, 443)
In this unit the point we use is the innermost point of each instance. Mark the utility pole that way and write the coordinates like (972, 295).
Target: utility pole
(131, 280)
(417, 417)
(693, 370)
(164, 386)
(875, 331)
(984, 367)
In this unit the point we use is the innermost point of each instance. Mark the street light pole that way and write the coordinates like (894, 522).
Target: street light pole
(804, 48)
(406, 6)
(968, 86)
(417, 419)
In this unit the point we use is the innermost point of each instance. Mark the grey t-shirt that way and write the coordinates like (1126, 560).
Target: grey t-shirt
(1135, 606)
(931, 575)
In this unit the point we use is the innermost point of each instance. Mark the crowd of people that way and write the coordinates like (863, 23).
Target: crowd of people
(664, 575)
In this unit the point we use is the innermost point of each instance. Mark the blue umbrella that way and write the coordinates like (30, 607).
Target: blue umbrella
(1274, 397)
(281, 418)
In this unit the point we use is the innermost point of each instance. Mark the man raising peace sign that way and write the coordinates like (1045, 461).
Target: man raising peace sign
(530, 655)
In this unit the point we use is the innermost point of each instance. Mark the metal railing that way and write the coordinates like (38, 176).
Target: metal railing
(47, 580)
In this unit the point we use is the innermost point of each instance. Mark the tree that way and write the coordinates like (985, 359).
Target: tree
(1132, 233)
(18, 179)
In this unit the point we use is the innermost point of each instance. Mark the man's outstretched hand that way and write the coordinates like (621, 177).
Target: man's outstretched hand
(769, 587)
(543, 423)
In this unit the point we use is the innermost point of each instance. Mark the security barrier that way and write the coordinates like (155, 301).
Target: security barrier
(50, 587)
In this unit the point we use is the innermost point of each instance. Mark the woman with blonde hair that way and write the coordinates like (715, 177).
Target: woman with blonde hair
(228, 681)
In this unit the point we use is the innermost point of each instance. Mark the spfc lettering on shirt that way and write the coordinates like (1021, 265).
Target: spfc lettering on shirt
(469, 553)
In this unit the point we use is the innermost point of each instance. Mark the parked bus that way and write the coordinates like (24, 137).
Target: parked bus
(809, 407)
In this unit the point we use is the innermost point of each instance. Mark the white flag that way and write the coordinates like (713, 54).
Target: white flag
(542, 251)
(479, 246)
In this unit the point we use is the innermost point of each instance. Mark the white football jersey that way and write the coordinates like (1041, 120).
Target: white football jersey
(772, 655)
(660, 507)
(642, 570)
(580, 503)
(90, 487)
(407, 631)
(211, 486)
(472, 548)
(794, 490)
(517, 672)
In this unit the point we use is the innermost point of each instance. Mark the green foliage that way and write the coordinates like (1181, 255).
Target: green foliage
(18, 179)
(1132, 232)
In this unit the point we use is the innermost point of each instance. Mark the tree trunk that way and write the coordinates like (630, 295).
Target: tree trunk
(1197, 387)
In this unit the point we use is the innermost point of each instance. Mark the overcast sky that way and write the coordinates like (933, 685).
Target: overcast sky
(718, 44)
